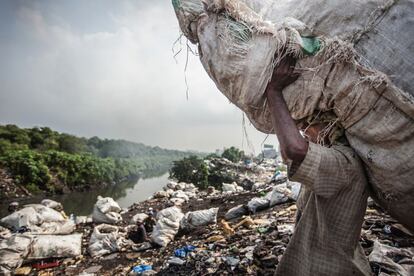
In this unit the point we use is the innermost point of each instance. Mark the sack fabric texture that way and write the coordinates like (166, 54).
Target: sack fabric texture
(356, 64)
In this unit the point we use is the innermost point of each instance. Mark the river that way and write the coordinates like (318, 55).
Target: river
(125, 193)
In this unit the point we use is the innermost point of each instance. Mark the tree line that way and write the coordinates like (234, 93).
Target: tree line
(42, 159)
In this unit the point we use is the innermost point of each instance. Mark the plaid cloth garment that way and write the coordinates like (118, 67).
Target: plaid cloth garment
(331, 208)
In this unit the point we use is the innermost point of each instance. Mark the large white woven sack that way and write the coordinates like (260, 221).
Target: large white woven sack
(362, 73)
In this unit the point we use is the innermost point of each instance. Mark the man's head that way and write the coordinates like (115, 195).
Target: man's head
(314, 133)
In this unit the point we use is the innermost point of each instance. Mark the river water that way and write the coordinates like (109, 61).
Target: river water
(126, 193)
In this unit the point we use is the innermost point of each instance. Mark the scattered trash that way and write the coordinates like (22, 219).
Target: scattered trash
(183, 252)
(240, 244)
(176, 261)
(139, 269)
(396, 261)
(44, 265)
(231, 261)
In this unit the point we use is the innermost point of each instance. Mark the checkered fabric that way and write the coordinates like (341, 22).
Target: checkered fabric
(331, 208)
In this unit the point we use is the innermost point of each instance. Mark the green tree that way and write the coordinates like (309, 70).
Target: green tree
(233, 154)
(191, 170)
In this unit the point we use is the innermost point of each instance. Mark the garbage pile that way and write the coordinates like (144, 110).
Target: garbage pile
(242, 229)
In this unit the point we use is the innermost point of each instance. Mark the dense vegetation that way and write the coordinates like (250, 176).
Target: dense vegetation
(43, 159)
(191, 170)
(233, 154)
(194, 169)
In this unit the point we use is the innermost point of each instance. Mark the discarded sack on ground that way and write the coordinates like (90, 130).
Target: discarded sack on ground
(231, 188)
(199, 218)
(236, 212)
(55, 246)
(39, 219)
(168, 223)
(52, 204)
(105, 239)
(13, 251)
(257, 204)
(140, 217)
(106, 210)
(280, 194)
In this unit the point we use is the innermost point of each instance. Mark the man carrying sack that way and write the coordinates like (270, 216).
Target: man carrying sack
(333, 199)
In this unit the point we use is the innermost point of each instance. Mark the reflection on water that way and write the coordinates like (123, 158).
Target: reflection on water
(125, 193)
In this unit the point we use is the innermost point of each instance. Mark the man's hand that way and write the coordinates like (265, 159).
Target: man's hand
(292, 145)
(283, 75)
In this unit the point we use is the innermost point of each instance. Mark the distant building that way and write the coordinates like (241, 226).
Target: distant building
(269, 152)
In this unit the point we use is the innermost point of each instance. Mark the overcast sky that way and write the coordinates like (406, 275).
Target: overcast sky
(106, 68)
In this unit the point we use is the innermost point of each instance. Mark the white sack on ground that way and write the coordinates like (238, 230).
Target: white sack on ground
(339, 48)
(231, 188)
(13, 251)
(236, 212)
(52, 204)
(180, 194)
(257, 204)
(168, 223)
(140, 217)
(199, 218)
(55, 246)
(280, 194)
(105, 239)
(106, 210)
(39, 219)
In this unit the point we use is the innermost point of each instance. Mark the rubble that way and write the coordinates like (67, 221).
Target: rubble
(243, 232)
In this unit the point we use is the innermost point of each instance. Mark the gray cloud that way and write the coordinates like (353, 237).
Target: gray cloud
(106, 68)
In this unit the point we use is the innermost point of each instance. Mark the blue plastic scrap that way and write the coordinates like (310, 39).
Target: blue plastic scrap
(141, 268)
(183, 252)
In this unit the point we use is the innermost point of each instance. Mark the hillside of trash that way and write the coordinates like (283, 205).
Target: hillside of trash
(241, 229)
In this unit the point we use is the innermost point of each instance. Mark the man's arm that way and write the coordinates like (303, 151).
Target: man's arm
(292, 145)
